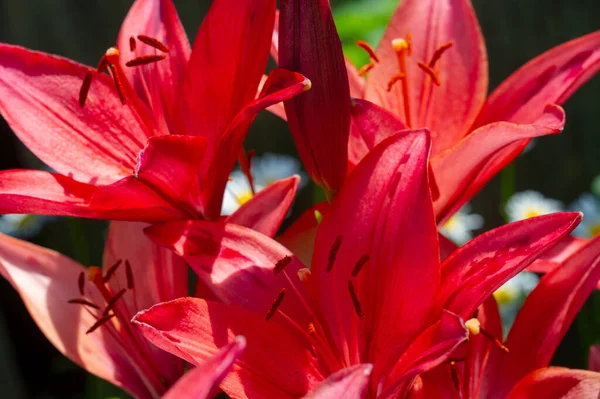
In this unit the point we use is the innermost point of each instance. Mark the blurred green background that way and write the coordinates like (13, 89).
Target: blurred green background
(560, 167)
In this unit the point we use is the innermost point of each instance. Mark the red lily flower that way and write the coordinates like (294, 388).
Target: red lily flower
(158, 140)
(376, 293)
(538, 329)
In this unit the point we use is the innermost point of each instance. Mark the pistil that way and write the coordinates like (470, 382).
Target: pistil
(402, 49)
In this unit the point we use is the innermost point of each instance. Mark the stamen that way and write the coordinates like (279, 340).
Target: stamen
(366, 68)
(281, 264)
(454, 375)
(118, 83)
(85, 88)
(112, 60)
(145, 59)
(304, 274)
(361, 262)
(395, 79)
(81, 283)
(432, 74)
(402, 47)
(81, 301)
(495, 340)
(275, 304)
(311, 328)
(355, 301)
(152, 42)
(438, 53)
(333, 253)
(409, 45)
(111, 271)
(128, 275)
(132, 44)
(474, 327)
(99, 322)
(113, 301)
(367, 47)
(102, 64)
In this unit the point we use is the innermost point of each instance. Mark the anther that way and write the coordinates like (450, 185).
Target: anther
(132, 44)
(454, 375)
(304, 275)
(99, 322)
(361, 262)
(394, 79)
(311, 328)
(81, 283)
(333, 253)
(366, 68)
(432, 74)
(118, 83)
(112, 61)
(81, 301)
(152, 42)
(276, 302)
(128, 275)
(85, 88)
(474, 326)
(355, 301)
(145, 59)
(399, 45)
(113, 301)
(111, 271)
(409, 47)
(281, 264)
(438, 53)
(367, 47)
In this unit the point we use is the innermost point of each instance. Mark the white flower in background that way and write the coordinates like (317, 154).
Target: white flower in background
(22, 226)
(459, 228)
(265, 169)
(590, 206)
(512, 294)
(528, 204)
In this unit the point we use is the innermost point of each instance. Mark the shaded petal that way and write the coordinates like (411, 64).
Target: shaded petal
(98, 143)
(356, 82)
(552, 77)
(594, 358)
(387, 195)
(557, 382)
(350, 383)
(229, 56)
(203, 381)
(450, 109)
(461, 171)
(275, 363)
(557, 255)
(478, 268)
(320, 119)
(266, 210)
(160, 85)
(46, 280)
(551, 308)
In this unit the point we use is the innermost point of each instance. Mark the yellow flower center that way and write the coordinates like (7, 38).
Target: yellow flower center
(504, 296)
(244, 197)
(594, 229)
(532, 213)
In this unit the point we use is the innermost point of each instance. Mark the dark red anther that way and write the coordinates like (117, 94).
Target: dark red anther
(276, 302)
(333, 253)
(81, 283)
(81, 301)
(113, 301)
(128, 274)
(152, 42)
(145, 59)
(111, 271)
(99, 322)
(429, 71)
(281, 264)
(361, 262)
(355, 301)
(132, 44)
(85, 88)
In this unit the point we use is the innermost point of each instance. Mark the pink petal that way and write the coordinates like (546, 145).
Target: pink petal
(350, 383)
(266, 210)
(477, 269)
(551, 77)
(461, 171)
(557, 382)
(594, 358)
(551, 307)
(203, 381)
(229, 56)
(387, 195)
(160, 85)
(450, 109)
(356, 82)
(275, 363)
(320, 119)
(46, 280)
(39, 93)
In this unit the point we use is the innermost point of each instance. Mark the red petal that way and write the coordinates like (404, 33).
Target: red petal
(203, 381)
(477, 269)
(450, 109)
(320, 119)
(98, 143)
(275, 363)
(229, 56)
(549, 78)
(159, 86)
(350, 382)
(557, 382)
(594, 358)
(266, 210)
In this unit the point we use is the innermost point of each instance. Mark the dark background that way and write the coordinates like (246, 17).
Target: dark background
(560, 167)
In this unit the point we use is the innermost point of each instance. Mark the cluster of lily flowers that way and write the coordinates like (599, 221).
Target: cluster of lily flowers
(363, 295)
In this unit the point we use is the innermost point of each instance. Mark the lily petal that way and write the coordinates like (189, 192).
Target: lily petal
(320, 119)
(594, 358)
(450, 109)
(97, 143)
(350, 383)
(552, 77)
(557, 382)
(203, 381)
(228, 58)
(275, 363)
(475, 270)
(550, 307)
(266, 210)
(46, 280)
(461, 171)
